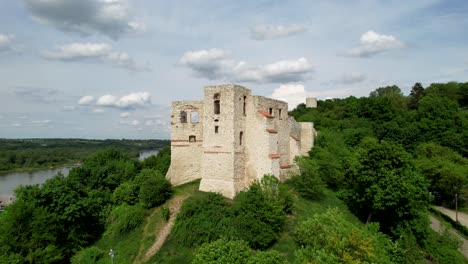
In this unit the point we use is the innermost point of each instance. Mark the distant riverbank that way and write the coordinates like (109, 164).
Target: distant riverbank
(11, 179)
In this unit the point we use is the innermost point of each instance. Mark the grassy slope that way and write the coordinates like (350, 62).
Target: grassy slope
(134, 244)
(174, 253)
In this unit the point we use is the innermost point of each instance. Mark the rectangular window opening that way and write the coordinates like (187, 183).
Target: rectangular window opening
(216, 129)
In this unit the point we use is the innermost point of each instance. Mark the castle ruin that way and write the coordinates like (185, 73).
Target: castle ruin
(232, 138)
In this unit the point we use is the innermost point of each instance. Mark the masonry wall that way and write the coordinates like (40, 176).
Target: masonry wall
(186, 155)
(239, 139)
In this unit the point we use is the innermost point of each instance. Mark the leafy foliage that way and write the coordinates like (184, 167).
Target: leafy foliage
(223, 251)
(123, 219)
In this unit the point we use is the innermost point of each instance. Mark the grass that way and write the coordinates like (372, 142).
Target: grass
(131, 247)
(304, 209)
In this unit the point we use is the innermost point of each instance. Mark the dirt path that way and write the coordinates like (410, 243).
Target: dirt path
(462, 217)
(174, 207)
(436, 225)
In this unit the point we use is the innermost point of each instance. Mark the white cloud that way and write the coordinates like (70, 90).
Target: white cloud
(107, 17)
(216, 64)
(351, 78)
(264, 32)
(98, 52)
(373, 43)
(134, 100)
(293, 94)
(125, 115)
(6, 42)
(86, 100)
(16, 124)
(106, 100)
(79, 51)
(277, 72)
(129, 101)
(135, 123)
(207, 63)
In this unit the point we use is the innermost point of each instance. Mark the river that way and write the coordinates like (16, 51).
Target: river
(9, 182)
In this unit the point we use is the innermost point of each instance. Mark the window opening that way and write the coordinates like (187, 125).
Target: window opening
(245, 97)
(270, 111)
(241, 134)
(194, 117)
(192, 139)
(279, 113)
(216, 129)
(183, 117)
(217, 107)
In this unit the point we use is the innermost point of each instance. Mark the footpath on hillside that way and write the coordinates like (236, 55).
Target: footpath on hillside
(462, 217)
(437, 226)
(174, 208)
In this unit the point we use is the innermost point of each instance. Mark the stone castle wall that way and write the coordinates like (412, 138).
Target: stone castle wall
(238, 139)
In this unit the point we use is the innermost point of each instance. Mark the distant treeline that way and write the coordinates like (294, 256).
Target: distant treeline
(40, 153)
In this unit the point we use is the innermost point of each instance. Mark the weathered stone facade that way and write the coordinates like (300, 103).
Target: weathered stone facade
(233, 138)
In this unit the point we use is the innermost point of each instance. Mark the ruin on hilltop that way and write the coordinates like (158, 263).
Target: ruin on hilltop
(232, 138)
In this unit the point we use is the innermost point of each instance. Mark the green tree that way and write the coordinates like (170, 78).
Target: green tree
(415, 94)
(383, 185)
(155, 190)
(330, 238)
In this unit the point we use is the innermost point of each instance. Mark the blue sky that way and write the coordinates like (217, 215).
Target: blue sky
(111, 68)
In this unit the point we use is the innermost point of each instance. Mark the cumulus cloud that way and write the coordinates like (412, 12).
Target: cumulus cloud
(6, 42)
(86, 100)
(292, 93)
(108, 17)
(216, 64)
(373, 43)
(125, 115)
(350, 78)
(129, 101)
(106, 100)
(264, 32)
(97, 52)
(135, 123)
(134, 100)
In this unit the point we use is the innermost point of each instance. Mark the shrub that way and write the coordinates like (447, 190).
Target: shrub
(124, 218)
(155, 191)
(223, 251)
(308, 184)
(203, 218)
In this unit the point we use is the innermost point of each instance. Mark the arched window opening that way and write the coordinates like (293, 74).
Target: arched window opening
(241, 135)
(216, 102)
(244, 108)
(194, 117)
(192, 139)
(183, 117)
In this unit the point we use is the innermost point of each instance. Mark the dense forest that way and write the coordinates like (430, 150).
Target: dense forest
(31, 154)
(363, 195)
